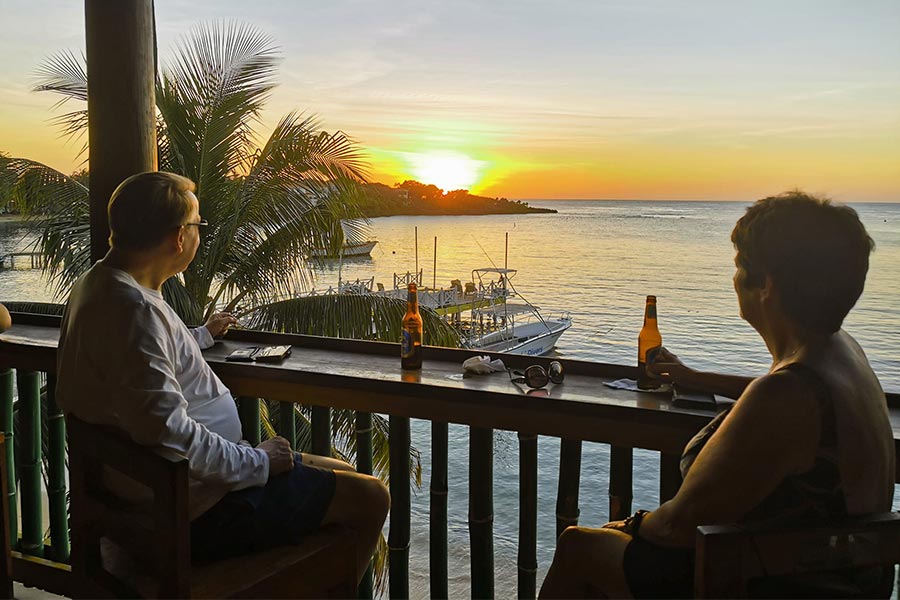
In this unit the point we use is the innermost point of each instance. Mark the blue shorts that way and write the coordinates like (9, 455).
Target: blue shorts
(277, 514)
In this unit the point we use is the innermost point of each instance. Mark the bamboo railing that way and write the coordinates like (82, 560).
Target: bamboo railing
(40, 557)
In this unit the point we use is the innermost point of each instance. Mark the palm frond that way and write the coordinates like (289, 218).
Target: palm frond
(61, 204)
(66, 74)
(211, 95)
(361, 317)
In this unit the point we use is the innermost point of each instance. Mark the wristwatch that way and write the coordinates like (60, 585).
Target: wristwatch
(633, 523)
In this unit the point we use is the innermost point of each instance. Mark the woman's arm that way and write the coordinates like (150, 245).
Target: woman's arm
(669, 368)
(772, 432)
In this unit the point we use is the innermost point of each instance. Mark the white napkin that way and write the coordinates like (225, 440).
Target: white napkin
(631, 384)
(482, 365)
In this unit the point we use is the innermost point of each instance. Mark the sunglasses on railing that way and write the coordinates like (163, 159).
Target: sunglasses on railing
(537, 377)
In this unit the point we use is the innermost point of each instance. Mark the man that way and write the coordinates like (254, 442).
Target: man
(127, 360)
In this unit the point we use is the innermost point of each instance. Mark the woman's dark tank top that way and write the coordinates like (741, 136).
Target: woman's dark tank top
(816, 493)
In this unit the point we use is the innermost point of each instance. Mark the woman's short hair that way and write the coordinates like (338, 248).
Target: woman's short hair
(816, 252)
(147, 206)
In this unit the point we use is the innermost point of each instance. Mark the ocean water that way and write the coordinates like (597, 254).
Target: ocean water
(597, 260)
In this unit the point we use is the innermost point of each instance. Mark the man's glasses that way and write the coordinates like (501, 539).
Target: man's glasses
(537, 377)
(199, 224)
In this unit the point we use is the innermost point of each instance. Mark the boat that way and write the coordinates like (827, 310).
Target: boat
(484, 315)
(495, 324)
(348, 250)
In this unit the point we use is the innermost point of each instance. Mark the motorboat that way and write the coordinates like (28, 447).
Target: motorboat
(348, 250)
(497, 324)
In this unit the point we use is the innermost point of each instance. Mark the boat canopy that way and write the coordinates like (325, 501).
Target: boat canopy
(506, 309)
(487, 270)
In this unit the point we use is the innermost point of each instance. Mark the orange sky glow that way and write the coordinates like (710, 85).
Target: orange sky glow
(577, 100)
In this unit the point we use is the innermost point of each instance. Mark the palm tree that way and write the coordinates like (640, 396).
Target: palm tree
(268, 205)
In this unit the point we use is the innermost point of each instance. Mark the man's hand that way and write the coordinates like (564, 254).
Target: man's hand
(219, 323)
(281, 457)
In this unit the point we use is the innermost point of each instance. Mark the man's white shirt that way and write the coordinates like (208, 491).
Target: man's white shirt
(126, 359)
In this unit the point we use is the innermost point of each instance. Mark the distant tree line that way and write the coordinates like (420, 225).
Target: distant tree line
(414, 198)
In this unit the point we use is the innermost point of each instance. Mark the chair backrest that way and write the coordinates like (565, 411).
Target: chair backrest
(157, 533)
(729, 557)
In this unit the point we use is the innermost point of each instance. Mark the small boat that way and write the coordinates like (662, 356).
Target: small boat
(498, 325)
(347, 250)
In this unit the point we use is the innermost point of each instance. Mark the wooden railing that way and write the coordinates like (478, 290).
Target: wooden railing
(365, 376)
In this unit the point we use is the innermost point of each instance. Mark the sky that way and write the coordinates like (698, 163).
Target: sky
(529, 99)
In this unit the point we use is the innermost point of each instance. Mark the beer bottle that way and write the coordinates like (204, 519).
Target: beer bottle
(411, 345)
(649, 341)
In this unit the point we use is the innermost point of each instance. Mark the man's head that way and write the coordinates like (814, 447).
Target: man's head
(147, 208)
(815, 253)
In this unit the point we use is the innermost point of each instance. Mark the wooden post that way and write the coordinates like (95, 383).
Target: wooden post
(569, 482)
(437, 522)
(621, 484)
(56, 478)
(481, 511)
(527, 559)
(321, 430)
(29, 384)
(9, 457)
(364, 465)
(398, 536)
(6, 574)
(120, 42)
(248, 413)
(287, 424)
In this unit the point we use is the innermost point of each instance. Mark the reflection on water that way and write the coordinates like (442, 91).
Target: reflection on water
(598, 260)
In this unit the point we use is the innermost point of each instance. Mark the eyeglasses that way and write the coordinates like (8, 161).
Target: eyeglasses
(537, 377)
(199, 224)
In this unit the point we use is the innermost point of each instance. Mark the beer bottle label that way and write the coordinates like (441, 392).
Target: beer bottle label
(651, 311)
(409, 341)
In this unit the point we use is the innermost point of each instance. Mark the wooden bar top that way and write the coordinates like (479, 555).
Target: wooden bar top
(366, 376)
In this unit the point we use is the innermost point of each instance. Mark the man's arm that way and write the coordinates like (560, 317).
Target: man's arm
(215, 327)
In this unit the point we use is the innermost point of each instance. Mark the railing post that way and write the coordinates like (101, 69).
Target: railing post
(321, 430)
(398, 536)
(287, 423)
(6, 411)
(364, 465)
(29, 384)
(437, 532)
(669, 476)
(56, 477)
(569, 481)
(621, 485)
(248, 413)
(527, 559)
(481, 511)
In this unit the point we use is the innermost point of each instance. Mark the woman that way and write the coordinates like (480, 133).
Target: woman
(809, 439)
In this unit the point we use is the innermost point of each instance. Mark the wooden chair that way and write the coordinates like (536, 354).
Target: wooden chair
(143, 548)
(730, 557)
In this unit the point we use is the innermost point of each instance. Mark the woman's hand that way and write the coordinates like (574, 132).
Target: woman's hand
(617, 525)
(667, 367)
(219, 323)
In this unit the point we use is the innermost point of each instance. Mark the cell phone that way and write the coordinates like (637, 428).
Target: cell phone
(688, 398)
(242, 354)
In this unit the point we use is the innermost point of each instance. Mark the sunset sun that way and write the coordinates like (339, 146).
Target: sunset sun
(447, 170)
